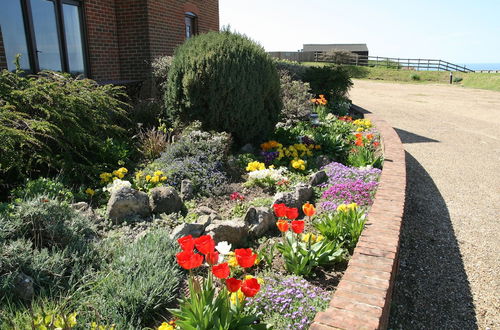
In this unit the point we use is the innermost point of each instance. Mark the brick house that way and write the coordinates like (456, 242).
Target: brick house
(106, 40)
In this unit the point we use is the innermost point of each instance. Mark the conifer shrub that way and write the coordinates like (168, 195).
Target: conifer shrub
(227, 82)
(333, 81)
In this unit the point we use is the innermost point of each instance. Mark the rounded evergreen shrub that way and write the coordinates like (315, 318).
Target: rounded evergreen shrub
(227, 82)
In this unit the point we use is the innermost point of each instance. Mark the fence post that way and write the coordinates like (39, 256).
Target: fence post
(418, 65)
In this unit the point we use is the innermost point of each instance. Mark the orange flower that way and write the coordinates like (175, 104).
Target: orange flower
(359, 142)
(308, 209)
(359, 136)
(282, 225)
(369, 136)
(376, 144)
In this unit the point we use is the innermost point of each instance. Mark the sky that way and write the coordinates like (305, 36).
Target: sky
(457, 31)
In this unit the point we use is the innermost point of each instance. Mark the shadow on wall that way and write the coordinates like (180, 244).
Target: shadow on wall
(409, 137)
(431, 290)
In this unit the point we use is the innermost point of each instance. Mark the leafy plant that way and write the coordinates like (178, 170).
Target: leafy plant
(52, 122)
(302, 257)
(415, 77)
(43, 186)
(332, 81)
(152, 142)
(362, 156)
(295, 97)
(197, 156)
(133, 289)
(226, 81)
(344, 226)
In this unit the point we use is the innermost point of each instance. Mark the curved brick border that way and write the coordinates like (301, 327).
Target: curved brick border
(363, 297)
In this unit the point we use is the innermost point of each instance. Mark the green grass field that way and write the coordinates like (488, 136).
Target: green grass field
(490, 81)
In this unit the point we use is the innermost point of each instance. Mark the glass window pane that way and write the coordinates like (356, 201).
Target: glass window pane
(14, 34)
(73, 32)
(47, 40)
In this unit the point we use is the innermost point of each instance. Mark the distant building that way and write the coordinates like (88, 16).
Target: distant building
(360, 49)
(101, 39)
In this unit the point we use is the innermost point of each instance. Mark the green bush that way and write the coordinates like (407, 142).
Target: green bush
(415, 77)
(333, 81)
(294, 69)
(161, 65)
(138, 285)
(47, 240)
(226, 81)
(53, 123)
(198, 156)
(295, 97)
(43, 186)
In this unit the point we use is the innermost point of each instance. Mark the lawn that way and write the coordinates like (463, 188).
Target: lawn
(490, 81)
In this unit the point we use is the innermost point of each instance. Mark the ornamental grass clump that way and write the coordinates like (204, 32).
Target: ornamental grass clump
(288, 303)
(228, 83)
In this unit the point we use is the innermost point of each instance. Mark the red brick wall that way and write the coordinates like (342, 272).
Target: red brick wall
(102, 39)
(124, 36)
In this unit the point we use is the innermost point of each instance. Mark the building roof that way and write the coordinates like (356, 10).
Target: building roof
(327, 47)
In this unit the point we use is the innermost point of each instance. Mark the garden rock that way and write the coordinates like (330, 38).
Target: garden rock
(206, 219)
(165, 200)
(234, 232)
(205, 210)
(194, 229)
(303, 193)
(126, 203)
(187, 189)
(322, 160)
(318, 178)
(23, 287)
(259, 221)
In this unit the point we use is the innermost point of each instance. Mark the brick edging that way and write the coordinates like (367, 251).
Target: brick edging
(363, 297)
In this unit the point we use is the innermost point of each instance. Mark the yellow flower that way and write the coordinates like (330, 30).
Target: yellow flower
(352, 206)
(158, 173)
(105, 177)
(148, 177)
(298, 164)
(342, 208)
(155, 179)
(237, 296)
(255, 166)
(165, 326)
(163, 178)
(90, 191)
(309, 237)
(115, 178)
(138, 175)
(319, 238)
(232, 262)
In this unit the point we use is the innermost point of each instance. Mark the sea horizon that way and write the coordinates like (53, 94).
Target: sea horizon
(481, 66)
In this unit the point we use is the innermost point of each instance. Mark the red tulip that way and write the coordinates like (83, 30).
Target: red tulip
(292, 213)
(245, 257)
(308, 209)
(298, 226)
(186, 243)
(212, 257)
(189, 259)
(376, 144)
(233, 284)
(250, 287)
(221, 271)
(280, 210)
(359, 142)
(205, 244)
(282, 225)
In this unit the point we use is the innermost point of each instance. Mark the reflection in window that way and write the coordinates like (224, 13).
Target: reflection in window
(72, 30)
(190, 22)
(13, 34)
(46, 36)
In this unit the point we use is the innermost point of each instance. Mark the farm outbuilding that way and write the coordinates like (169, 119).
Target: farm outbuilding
(360, 49)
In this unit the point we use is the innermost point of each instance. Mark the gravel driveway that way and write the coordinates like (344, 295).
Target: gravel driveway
(449, 273)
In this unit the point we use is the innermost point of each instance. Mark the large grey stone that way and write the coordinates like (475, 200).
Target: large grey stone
(23, 287)
(303, 193)
(234, 232)
(127, 203)
(318, 178)
(259, 221)
(194, 229)
(323, 160)
(205, 210)
(165, 200)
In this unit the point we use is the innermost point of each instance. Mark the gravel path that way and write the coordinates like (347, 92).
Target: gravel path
(449, 273)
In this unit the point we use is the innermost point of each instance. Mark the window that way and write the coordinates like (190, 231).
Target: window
(190, 21)
(47, 33)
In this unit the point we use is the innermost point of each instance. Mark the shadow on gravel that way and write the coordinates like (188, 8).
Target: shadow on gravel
(409, 137)
(431, 290)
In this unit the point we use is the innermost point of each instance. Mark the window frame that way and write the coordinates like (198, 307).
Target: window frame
(63, 47)
(194, 24)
